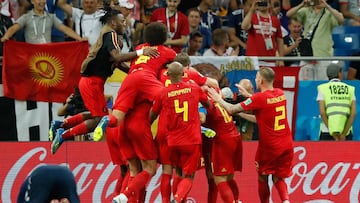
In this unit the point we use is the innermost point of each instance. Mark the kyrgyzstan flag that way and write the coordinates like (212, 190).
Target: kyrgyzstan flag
(42, 72)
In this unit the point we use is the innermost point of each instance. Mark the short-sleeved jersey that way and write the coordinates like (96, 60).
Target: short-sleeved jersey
(101, 65)
(269, 108)
(166, 55)
(189, 74)
(180, 102)
(256, 38)
(179, 28)
(221, 122)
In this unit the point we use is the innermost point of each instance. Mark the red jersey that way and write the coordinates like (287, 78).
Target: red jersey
(166, 55)
(221, 122)
(177, 24)
(193, 75)
(270, 27)
(269, 108)
(180, 102)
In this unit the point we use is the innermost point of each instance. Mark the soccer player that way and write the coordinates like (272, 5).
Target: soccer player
(98, 65)
(275, 150)
(49, 183)
(180, 102)
(133, 103)
(226, 151)
(160, 139)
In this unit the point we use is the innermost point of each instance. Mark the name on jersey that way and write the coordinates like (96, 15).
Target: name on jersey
(179, 92)
(276, 99)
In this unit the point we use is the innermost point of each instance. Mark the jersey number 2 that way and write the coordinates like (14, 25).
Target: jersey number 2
(184, 109)
(278, 118)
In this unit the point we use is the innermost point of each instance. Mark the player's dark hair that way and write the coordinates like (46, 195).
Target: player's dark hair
(155, 33)
(109, 15)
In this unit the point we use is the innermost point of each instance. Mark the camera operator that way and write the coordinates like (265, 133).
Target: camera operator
(319, 19)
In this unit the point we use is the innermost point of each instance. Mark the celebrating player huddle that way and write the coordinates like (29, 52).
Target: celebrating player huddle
(161, 84)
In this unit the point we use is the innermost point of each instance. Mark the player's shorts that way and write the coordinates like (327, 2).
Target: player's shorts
(139, 86)
(137, 129)
(113, 143)
(279, 164)
(92, 93)
(186, 157)
(227, 156)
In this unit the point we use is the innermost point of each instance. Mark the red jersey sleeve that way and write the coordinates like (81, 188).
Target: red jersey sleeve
(254, 102)
(197, 77)
(157, 104)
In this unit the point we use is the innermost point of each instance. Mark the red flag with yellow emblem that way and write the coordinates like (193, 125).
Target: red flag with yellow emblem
(42, 72)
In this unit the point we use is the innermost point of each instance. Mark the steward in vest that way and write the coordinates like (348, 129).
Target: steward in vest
(337, 104)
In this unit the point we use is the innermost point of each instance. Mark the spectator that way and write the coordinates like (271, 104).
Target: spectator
(208, 19)
(278, 11)
(194, 45)
(327, 18)
(292, 41)
(176, 22)
(337, 103)
(147, 10)
(238, 36)
(264, 32)
(5, 24)
(48, 183)
(184, 6)
(194, 17)
(220, 45)
(354, 70)
(37, 25)
(51, 7)
(87, 21)
(351, 11)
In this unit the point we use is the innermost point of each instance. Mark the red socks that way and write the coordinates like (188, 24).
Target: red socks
(139, 182)
(264, 191)
(165, 187)
(72, 121)
(234, 188)
(183, 189)
(175, 184)
(282, 189)
(225, 192)
(213, 190)
(80, 129)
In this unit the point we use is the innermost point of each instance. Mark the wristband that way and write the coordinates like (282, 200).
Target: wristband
(139, 52)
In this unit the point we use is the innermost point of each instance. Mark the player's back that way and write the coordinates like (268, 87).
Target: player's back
(154, 65)
(271, 116)
(181, 106)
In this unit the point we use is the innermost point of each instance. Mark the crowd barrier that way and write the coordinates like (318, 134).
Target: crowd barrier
(322, 172)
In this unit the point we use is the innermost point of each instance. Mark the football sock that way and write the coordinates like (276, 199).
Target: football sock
(112, 121)
(264, 191)
(118, 185)
(183, 189)
(234, 188)
(176, 181)
(136, 184)
(282, 189)
(225, 192)
(165, 187)
(80, 129)
(126, 181)
(72, 121)
(213, 190)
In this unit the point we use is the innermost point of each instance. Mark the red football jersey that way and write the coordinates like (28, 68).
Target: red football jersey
(221, 122)
(166, 55)
(180, 103)
(270, 111)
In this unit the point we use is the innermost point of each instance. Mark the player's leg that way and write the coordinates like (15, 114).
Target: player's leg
(263, 189)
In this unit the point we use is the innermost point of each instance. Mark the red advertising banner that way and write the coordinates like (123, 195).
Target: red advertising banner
(323, 172)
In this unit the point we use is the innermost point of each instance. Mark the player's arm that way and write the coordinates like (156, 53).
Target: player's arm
(211, 82)
(248, 117)
(350, 119)
(231, 108)
(122, 57)
(323, 112)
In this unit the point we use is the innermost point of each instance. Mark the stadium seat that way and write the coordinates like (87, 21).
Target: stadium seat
(346, 38)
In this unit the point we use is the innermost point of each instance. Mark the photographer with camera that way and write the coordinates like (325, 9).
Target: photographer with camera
(319, 19)
(264, 32)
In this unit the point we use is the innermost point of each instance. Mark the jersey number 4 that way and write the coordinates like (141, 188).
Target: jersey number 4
(184, 109)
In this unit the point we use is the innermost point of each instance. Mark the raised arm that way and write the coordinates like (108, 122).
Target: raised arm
(246, 24)
(231, 108)
(65, 6)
